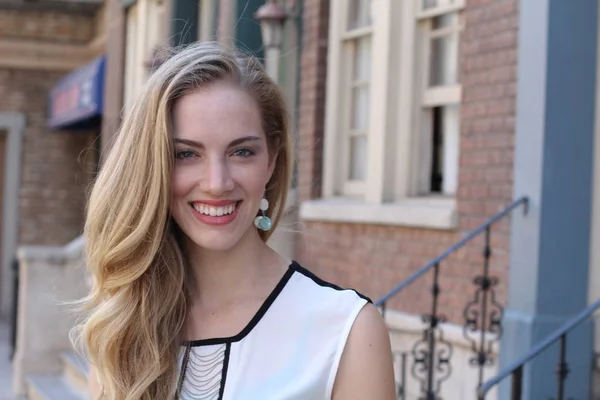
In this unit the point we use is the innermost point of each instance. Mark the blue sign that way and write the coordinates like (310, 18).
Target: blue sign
(78, 96)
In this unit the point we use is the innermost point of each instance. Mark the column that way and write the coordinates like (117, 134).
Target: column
(549, 264)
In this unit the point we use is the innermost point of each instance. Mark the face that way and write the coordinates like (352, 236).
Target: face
(222, 166)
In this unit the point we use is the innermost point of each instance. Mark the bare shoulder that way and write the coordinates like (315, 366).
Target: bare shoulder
(366, 367)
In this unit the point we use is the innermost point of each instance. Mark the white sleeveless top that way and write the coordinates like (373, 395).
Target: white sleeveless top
(290, 350)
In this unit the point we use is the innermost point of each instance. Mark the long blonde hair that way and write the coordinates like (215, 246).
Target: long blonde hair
(135, 311)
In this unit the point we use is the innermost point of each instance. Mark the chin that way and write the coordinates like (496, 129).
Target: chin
(216, 242)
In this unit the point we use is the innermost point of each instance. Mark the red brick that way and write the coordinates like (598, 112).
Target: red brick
(56, 166)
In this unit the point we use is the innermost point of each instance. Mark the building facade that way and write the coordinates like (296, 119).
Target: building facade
(48, 123)
(419, 120)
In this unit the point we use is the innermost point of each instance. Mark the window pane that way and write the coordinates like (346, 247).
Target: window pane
(437, 148)
(358, 158)
(451, 128)
(362, 58)
(359, 13)
(360, 108)
(444, 60)
(430, 4)
(444, 21)
(445, 146)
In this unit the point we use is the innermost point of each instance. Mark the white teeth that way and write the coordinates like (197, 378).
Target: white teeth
(214, 211)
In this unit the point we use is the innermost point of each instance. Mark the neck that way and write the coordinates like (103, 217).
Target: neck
(222, 278)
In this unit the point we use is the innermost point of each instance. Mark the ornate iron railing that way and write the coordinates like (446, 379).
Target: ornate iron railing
(432, 354)
(400, 358)
(562, 367)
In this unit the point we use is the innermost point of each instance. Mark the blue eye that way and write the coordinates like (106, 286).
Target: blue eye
(243, 153)
(183, 154)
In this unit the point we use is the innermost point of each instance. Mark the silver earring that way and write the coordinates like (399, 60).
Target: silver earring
(263, 222)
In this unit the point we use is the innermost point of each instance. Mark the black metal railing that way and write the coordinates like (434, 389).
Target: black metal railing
(15, 309)
(515, 370)
(431, 355)
(400, 358)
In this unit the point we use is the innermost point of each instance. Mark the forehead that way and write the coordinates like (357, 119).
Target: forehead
(219, 111)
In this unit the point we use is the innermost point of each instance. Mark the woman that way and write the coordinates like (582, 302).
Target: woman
(188, 301)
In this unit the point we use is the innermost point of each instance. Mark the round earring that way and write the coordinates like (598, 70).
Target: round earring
(263, 222)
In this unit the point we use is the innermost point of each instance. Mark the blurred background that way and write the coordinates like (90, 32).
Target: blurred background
(448, 167)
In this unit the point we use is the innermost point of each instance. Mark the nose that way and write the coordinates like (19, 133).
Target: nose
(217, 177)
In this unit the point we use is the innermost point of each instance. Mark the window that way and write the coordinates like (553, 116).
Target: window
(357, 54)
(348, 101)
(439, 114)
(392, 113)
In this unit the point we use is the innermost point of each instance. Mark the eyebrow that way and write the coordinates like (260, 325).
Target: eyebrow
(233, 143)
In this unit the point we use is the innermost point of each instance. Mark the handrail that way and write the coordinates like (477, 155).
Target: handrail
(557, 335)
(522, 200)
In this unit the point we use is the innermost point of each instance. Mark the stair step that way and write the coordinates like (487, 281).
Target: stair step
(75, 371)
(51, 387)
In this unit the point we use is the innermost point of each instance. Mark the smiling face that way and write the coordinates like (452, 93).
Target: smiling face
(222, 165)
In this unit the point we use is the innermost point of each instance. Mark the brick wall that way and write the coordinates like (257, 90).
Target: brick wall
(488, 73)
(374, 258)
(57, 166)
(48, 26)
(312, 97)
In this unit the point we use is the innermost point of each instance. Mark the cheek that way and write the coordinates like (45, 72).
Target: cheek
(253, 179)
(182, 183)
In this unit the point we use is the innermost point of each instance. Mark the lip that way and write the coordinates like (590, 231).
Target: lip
(215, 203)
(217, 220)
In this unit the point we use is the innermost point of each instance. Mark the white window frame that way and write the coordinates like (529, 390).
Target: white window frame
(396, 98)
(443, 7)
(429, 97)
(336, 143)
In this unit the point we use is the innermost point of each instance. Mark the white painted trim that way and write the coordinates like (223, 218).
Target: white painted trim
(405, 108)
(332, 135)
(451, 150)
(442, 95)
(358, 32)
(409, 323)
(14, 124)
(425, 212)
(379, 99)
(440, 10)
(355, 188)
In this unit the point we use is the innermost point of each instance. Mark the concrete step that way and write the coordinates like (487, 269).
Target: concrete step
(51, 387)
(75, 371)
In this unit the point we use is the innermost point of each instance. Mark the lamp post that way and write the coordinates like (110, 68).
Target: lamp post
(271, 17)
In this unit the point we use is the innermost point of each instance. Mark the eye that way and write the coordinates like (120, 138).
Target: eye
(183, 154)
(243, 152)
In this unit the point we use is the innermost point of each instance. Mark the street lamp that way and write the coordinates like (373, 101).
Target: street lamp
(271, 17)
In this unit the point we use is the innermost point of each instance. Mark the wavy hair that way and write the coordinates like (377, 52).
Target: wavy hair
(134, 314)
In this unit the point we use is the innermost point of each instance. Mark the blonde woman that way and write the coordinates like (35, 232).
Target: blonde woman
(188, 301)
